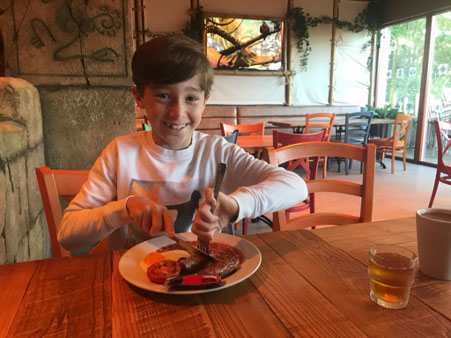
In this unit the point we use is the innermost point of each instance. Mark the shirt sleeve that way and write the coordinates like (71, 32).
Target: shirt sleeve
(261, 187)
(95, 212)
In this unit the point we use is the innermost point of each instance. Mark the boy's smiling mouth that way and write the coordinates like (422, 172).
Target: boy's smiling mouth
(175, 126)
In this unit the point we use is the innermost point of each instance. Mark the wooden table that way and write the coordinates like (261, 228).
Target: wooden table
(254, 143)
(310, 283)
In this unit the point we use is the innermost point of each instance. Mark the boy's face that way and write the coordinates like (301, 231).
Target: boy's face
(174, 111)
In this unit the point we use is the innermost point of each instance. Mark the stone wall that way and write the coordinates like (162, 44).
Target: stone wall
(23, 228)
(72, 60)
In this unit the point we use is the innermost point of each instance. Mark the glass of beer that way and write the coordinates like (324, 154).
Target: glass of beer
(392, 271)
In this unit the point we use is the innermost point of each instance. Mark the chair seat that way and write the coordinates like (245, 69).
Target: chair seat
(382, 142)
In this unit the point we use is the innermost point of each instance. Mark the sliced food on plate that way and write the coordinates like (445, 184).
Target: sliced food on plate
(171, 264)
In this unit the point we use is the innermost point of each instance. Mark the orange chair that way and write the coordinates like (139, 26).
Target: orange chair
(281, 139)
(443, 132)
(316, 121)
(364, 190)
(65, 184)
(243, 129)
(397, 143)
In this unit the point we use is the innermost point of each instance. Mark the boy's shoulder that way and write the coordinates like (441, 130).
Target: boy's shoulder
(127, 140)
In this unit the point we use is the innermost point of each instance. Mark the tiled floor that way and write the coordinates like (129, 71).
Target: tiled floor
(395, 195)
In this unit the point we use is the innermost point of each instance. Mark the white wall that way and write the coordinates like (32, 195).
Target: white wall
(310, 87)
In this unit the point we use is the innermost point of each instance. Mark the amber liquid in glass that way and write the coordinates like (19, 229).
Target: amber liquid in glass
(391, 276)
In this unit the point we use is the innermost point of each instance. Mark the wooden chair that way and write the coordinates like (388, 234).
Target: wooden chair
(443, 132)
(65, 184)
(243, 129)
(281, 139)
(397, 144)
(316, 121)
(364, 190)
(232, 139)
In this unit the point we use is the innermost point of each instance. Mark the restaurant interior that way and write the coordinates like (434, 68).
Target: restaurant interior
(282, 69)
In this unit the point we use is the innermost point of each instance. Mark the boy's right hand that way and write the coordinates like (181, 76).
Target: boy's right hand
(147, 214)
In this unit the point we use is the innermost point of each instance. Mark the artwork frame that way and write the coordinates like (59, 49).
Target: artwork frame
(245, 45)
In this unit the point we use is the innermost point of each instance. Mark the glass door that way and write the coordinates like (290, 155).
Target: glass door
(439, 94)
(399, 74)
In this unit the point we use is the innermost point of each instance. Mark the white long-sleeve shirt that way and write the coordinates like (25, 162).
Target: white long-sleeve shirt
(134, 165)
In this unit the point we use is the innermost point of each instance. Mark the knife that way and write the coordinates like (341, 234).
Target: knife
(184, 244)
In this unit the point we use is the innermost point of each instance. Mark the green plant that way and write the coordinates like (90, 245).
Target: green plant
(384, 113)
(301, 22)
(194, 28)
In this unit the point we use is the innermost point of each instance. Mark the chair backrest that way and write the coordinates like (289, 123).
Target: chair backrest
(401, 130)
(443, 132)
(281, 139)
(364, 190)
(56, 184)
(320, 120)
(357, 127)
(243, 129)
(232, 137)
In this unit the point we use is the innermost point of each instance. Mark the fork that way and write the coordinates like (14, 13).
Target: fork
(220, 171)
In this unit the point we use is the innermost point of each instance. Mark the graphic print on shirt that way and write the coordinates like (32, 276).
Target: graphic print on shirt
(180, 198)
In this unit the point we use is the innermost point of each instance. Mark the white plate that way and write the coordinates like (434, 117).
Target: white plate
(130, 270)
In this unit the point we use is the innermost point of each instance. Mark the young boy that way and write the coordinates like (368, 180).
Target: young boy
(142, 180)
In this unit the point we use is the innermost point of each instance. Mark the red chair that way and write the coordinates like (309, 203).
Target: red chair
(281, 139)
(443, 132)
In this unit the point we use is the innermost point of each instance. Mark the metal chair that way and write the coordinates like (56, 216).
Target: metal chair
(357, 130)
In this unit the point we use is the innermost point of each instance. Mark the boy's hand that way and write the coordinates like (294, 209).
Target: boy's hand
(147, 214)
(206, 224)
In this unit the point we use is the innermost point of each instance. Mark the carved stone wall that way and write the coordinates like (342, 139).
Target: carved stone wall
(23, 228)
(77, 53)
(72, 58)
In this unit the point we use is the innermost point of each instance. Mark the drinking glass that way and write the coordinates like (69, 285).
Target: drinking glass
(392, 271)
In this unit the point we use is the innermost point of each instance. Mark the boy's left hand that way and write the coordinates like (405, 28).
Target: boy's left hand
(206, 224)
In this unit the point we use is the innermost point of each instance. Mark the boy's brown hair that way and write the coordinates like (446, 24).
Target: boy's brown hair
(171, 59)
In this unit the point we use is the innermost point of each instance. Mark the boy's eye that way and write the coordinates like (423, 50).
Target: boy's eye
(192, 98)
(162, 96)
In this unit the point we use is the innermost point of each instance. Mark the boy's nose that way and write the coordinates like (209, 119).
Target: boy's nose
(176, 109)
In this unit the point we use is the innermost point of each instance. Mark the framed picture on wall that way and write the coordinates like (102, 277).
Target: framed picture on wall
(245, 44)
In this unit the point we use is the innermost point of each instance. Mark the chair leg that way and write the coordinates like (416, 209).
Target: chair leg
(347, 165)
(231, 229)
(393, 162)
(434, 189)
(245, 223)
(324, 166)
(404, 158)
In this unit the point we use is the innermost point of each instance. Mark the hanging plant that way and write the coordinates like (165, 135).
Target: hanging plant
(301, 22)
(194, 28)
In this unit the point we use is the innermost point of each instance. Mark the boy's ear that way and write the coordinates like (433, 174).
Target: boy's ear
(138, 97)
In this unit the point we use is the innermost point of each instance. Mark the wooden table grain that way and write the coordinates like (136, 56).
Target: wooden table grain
(311, 283)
